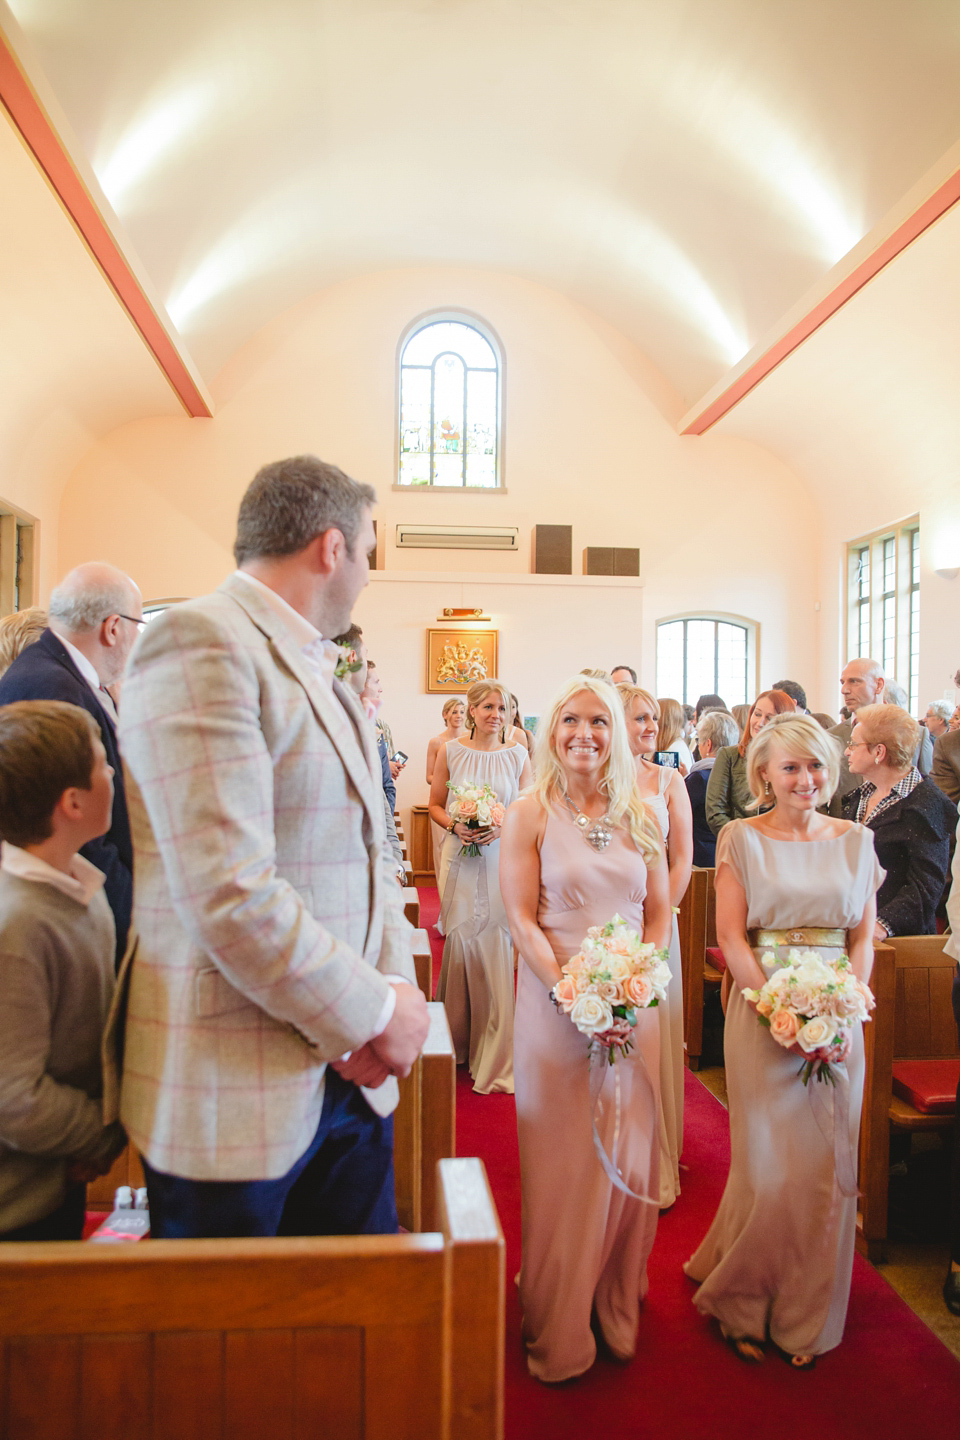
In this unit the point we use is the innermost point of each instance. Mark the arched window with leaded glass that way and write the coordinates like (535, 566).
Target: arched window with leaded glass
(450, 406)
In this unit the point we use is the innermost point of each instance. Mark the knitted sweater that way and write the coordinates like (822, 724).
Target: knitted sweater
(56, 984)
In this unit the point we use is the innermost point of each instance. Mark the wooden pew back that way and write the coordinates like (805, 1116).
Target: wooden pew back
(924, 1026)
(373, 1336)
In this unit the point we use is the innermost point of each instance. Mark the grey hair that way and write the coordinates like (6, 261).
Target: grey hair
(894, 694)
(80, 603)
(291, 502)
(943, 708)
(719, 727)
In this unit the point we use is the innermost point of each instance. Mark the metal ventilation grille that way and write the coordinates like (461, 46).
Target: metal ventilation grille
(456, 537)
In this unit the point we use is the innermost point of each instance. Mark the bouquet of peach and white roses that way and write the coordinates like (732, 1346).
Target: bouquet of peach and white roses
(814, 1004)
(477, 807)
(612, 976)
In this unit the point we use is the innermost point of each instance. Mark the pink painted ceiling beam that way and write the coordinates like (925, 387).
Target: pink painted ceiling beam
(29, 117)
(925, 215)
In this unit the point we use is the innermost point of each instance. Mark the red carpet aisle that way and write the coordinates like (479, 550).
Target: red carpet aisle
(891, 1378)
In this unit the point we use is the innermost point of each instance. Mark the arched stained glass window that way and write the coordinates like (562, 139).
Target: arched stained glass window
(449, 407)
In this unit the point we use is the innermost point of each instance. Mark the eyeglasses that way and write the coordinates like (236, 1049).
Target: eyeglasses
(139, 623)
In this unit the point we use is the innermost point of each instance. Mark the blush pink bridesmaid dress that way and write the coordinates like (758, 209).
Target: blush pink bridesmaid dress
(585, 1243)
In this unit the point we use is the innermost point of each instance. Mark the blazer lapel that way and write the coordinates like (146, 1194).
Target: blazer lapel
(328, 709)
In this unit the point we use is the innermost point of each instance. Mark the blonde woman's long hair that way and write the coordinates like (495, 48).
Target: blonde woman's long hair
(619, 780)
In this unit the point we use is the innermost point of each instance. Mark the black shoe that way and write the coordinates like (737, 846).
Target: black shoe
(951, 1291)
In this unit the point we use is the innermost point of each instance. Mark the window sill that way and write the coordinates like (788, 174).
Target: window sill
(450, 489)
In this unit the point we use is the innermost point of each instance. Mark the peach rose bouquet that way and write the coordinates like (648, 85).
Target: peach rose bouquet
(612, 976)
(477, 807)
(813, 1004)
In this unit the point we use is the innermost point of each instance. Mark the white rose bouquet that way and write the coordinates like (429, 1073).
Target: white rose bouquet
(476, 806)
(813, 1003)
(612, 976)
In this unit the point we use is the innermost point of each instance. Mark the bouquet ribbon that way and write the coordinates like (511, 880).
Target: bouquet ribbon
(832, 1114)
(600, 1067)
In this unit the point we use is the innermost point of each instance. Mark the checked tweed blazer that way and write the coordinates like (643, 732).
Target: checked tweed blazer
(265, 903)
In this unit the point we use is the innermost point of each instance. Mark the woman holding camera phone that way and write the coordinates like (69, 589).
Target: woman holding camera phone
(662, 787)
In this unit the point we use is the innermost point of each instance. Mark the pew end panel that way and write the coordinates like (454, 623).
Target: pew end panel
(354, 1336)
(697, 929)
(913, 1022)
(424, 1124)
(467, 1214)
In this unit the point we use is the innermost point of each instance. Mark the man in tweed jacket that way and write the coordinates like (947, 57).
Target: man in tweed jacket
(267, 912)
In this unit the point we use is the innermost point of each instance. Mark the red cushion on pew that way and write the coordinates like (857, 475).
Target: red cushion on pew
(715, 957)
(930, 1086)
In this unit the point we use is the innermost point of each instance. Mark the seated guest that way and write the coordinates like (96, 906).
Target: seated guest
(17, 631)
(912, 821)
(624, 675)
(371, 697)
(717, 729)
(823, 719)
(894, 694)
(95, 615)
(937, 718)
(708, 702)
(796, 692)
(670, 734)
(56, 981)
(729, 796)
(741, 713)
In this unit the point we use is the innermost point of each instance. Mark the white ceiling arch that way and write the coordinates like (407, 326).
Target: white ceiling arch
(688, 170)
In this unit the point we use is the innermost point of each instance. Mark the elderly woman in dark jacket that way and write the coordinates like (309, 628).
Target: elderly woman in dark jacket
(913, 822)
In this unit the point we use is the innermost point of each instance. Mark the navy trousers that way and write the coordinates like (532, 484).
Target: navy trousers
(341, 1185)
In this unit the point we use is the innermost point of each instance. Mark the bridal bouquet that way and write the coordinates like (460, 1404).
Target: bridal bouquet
(612, 976)
(813, 1003)
(477, 807)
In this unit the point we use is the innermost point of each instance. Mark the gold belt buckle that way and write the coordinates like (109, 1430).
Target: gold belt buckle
(795, 937)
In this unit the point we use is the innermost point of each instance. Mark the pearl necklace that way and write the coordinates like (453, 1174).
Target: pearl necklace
(597, 833)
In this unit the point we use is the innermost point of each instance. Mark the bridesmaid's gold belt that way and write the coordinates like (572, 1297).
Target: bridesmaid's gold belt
(810, 935)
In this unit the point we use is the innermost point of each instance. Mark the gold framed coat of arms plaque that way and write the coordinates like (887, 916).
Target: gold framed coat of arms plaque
(456, 658)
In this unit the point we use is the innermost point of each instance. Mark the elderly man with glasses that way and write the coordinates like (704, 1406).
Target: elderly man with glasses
(95, 615)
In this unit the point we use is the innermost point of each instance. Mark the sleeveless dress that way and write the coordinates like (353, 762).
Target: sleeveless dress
(671, 1033)
(476, 978)
(585, 1243)
(778, 1257)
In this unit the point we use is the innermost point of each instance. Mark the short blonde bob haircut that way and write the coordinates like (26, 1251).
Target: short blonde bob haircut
(451, 704)
(619, 780)
(478, 692)
(799, 736)
(890, 726)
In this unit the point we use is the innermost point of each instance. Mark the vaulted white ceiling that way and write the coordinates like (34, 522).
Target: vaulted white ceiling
(687, 168)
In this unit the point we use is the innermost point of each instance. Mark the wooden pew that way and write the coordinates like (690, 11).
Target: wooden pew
(423, 961)
(397, 1337)
(913, 1022)
(421, 846)
(411, 905)
(423, 1133)
(424, 1124)
(697, 926)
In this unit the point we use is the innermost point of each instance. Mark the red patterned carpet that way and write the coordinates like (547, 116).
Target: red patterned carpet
(891, 1378)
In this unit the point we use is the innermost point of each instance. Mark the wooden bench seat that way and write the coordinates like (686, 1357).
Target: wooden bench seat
(423, 962)
(388, 1337)
(912, 1024)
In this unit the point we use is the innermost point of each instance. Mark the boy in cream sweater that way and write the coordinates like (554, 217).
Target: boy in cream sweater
(56, 969)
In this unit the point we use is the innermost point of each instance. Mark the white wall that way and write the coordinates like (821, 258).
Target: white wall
(590, 441)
